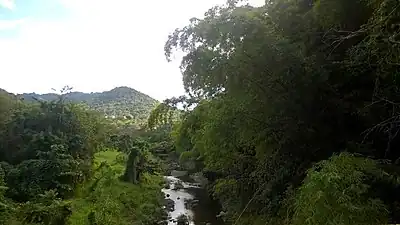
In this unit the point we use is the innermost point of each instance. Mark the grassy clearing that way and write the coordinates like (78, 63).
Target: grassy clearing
(107, 200)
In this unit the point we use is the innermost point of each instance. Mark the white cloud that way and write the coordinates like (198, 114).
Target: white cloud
(9, 4)
(10, 24)
(102, 45)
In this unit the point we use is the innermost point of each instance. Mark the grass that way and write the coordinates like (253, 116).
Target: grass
(107, 200)
(115, 159)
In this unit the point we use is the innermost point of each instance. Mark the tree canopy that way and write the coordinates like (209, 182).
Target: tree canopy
(281, 87)
(50, 172)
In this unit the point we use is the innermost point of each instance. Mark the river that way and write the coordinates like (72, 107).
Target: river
(192, 200)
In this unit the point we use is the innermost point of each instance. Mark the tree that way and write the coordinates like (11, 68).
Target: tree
(339, 190)
(50, 145)
(281, 87)
(136, 161)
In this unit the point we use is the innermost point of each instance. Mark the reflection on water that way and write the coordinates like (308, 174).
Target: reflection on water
(204, 210)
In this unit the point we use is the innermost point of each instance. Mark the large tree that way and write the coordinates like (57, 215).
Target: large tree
(284, 86)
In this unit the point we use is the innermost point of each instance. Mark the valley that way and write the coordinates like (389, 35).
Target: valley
(290, 116)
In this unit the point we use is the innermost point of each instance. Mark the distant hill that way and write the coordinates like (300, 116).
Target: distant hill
(116, 103)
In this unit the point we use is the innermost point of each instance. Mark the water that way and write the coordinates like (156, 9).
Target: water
(204, 209)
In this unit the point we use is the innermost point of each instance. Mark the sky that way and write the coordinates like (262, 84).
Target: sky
(93, 45)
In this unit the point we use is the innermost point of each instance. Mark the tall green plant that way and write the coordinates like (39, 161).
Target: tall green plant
(338, 191)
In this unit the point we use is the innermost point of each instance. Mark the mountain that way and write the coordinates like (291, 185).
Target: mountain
(118, 102)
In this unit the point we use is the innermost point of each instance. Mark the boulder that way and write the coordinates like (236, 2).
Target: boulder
(169, 204)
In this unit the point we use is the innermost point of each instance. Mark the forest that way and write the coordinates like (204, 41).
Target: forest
(62, 163)
(120, 102)
(291, 113)
(292, 109)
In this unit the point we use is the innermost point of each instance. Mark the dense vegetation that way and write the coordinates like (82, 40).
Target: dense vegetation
(61, 163)
(121, 103)
(292, 109)
(292, 114)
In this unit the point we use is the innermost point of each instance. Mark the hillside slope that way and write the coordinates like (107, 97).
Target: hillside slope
(118, 102)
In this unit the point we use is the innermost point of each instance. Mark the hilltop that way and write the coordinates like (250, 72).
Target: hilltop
(118, 102)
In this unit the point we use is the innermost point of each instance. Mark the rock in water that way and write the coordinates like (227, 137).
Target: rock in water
(170, 204)
(177, 173)
(183, 220)
(178, 185)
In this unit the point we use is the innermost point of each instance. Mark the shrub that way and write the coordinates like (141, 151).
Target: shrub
(337, 191)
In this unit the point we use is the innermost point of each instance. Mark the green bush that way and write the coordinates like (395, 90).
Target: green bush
(338, 191)
(53, 170)
(46, 210)
(108, 200)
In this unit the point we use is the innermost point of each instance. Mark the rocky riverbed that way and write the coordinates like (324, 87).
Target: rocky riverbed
(187, 203)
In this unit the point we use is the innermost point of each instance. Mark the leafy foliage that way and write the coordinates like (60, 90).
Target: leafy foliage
(48, 209)
(107, 200)
(336, 191)
(56, 137)
(29, 179)
(281, 87)
(139, 161)
(47, 170)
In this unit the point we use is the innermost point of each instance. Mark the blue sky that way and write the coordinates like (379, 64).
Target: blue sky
(92, 45)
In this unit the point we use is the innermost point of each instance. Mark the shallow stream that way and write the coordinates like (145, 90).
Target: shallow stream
(192, 200)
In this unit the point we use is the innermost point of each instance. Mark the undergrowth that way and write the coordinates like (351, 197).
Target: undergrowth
(105, 199)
